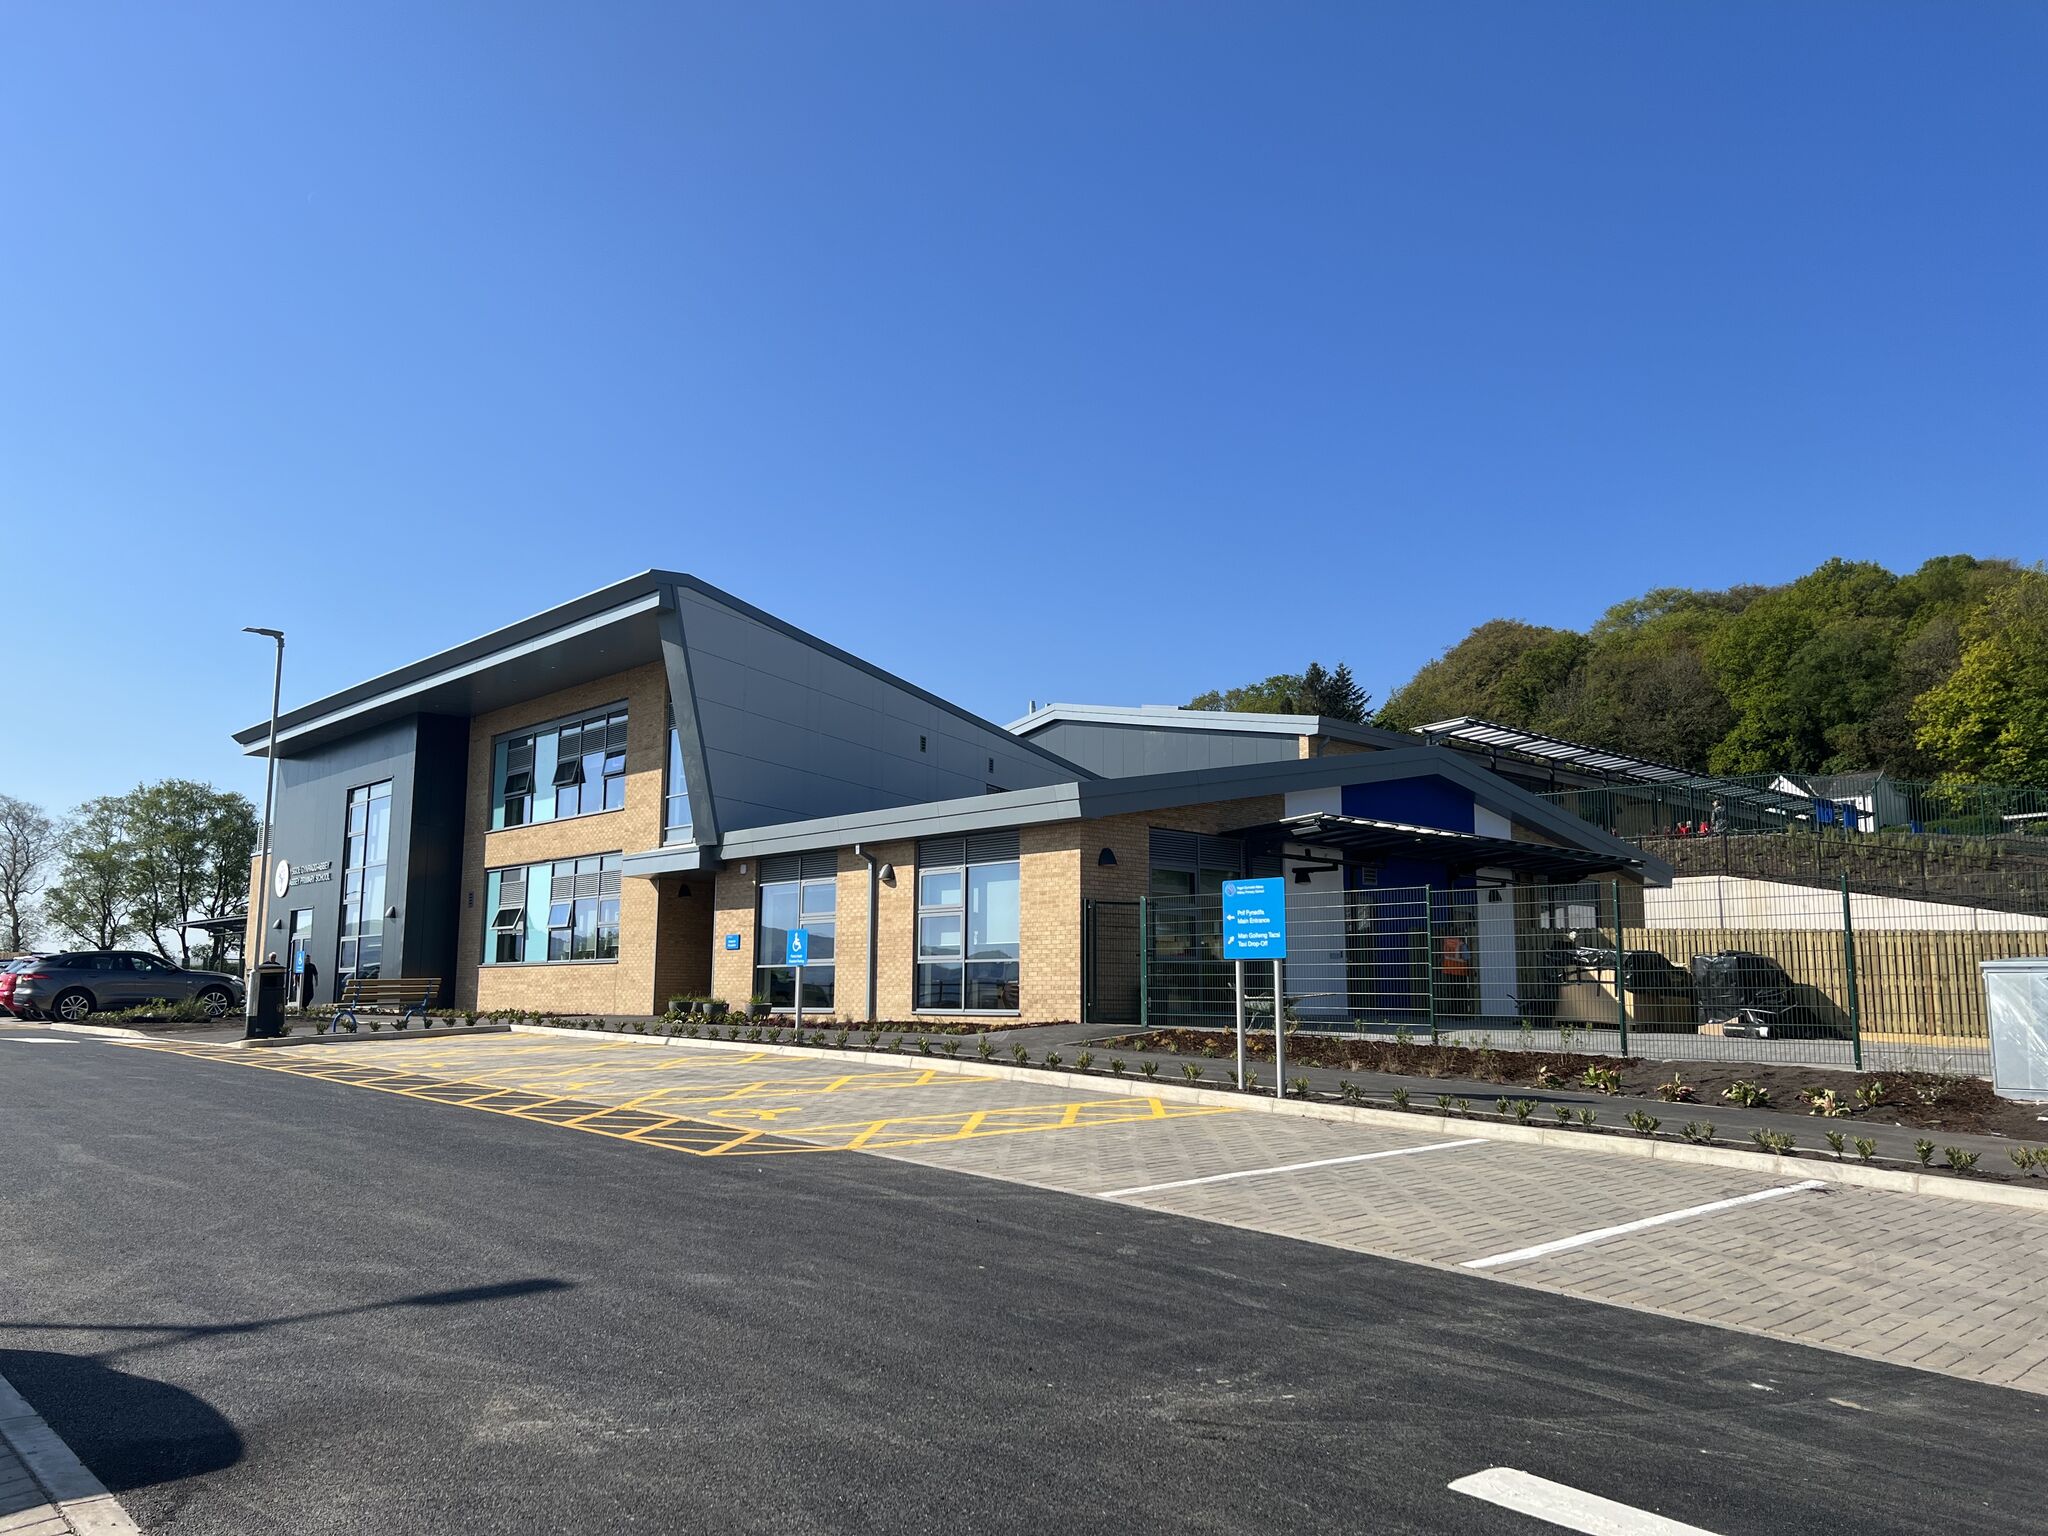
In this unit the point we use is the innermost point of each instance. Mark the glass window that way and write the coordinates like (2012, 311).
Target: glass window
(360, 944)
(969, 937)
(569, 768)
(675, 818)
(809, 904)
(548, 913)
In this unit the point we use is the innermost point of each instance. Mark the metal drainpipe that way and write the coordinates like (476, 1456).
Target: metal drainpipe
(873, 893)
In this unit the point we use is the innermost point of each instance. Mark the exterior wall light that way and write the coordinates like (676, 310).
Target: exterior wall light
(886, 874)
(1106, 858)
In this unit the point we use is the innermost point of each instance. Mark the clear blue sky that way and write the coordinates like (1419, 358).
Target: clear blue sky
(1015, 347)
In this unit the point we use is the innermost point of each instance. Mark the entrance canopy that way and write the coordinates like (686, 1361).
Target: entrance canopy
(1366, 838)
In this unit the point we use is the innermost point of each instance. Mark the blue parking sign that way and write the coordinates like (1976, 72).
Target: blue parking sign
(799, 946)
(1255, 919)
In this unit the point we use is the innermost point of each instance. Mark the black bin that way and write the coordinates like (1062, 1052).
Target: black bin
(266, 1019)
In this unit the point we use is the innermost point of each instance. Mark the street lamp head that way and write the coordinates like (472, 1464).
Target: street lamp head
(275, 634)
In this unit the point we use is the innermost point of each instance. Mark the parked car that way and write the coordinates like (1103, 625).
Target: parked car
(8, 969)
(75, 985)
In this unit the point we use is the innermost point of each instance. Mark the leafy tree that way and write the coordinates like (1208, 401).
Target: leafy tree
(1504, 670)
(89, 902)
(28, 841)
(1989, 720)
(1314, 691)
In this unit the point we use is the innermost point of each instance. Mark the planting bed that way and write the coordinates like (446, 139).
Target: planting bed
(1923, 1100)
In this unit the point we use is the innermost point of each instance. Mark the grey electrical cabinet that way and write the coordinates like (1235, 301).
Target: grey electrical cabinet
(2016, 1003)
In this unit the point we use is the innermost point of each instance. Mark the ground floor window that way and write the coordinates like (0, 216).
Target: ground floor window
(798, 891)
(553, 913)
(969, 924)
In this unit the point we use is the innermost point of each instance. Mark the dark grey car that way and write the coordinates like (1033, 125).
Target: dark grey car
(72, 986)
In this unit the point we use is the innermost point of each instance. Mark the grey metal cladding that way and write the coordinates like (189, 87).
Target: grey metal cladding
(1122, 751)
(793, 730)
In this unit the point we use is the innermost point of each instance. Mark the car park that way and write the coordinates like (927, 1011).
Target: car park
(76, 985)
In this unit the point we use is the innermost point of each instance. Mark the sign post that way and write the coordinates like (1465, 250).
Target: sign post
(1255, 928)
(799, 952)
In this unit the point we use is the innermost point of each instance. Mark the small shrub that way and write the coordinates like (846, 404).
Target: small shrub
(1444, 1102)
(1524, 1108)
(1463, 1106)
(1501, 1105)
(984, 1048)
(1924, 1150)
(841, 1038)
(1401, 1035)
(1149, 1068)
(874, 1038)
(1822, 1101)
(1299, 1086)
(1083, 1060)
(1871, 1094)
(1642, 1123)
(1349, 1091)
(951, 1047)
(1400, 1098)
(1837, 1143)
(1776, 1142)
(1545, 1078)
(2022, 1158)
(1698, 1132)
(691, 1030)
(924, 1048)
(1250, 1081)
(376, 1025)
(1748, 1094)
(1677, 1091)
(1563, 1113)
(1586, 1119)
(1601, 1080)
(1958, 1160)
(1116, 1066)
(1866, 1149)
(1192, 1071)
(1053, 1058)
(1019, 1055)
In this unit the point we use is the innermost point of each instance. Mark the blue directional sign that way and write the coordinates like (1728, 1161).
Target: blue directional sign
(732, 941)
(1255, 919)
(799, 946)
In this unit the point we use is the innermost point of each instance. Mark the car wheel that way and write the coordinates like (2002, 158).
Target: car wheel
(216, 1002)
(72, 1006)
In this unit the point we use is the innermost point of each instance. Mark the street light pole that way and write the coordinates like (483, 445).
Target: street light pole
(262, 928)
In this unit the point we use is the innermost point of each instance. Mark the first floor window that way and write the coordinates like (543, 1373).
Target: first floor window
(675, 815)
(563, 769)
(969, 924)
(543, 913)
(798, 891)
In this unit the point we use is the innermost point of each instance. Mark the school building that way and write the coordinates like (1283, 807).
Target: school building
(638, 795)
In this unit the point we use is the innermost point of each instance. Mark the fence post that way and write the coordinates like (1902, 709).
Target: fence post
(1620, 972)
(1144, 963)
(1429, 957)
(1849, 965)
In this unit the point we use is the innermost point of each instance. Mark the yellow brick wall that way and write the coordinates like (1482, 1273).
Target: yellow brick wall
(1330, 746)
(627, 985)
(732, 911)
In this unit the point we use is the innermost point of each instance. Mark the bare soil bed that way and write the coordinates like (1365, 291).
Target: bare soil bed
(1924, 1100)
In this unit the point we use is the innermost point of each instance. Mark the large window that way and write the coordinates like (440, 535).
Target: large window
(797, 891)
(1188, 973)
(969, 924)
(365, 844)
(562, 769)
(675, 816)
(542, 914)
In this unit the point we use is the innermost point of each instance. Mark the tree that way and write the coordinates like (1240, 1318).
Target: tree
(1504, 670)
(1989, 720)
(1313, 691)
(89, 902)
(28, 841)
(190, 851)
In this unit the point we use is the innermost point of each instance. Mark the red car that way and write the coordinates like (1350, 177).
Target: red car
(8, 969)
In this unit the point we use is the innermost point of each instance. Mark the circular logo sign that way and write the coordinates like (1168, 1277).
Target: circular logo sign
(281, 881)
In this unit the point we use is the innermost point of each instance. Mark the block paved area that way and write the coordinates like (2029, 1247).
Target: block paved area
(1922, 1281)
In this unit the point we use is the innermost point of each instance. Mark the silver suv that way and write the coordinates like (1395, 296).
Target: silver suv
(72, 986)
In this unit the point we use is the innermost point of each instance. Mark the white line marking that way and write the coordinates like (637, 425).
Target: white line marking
(35, 1040)
(1495, 1260)
(1321, 1162)
(1556, 1504)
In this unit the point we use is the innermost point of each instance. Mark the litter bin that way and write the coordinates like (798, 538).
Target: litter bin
(266, 1019)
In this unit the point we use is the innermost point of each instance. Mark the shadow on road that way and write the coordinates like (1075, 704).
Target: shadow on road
(134, 1431)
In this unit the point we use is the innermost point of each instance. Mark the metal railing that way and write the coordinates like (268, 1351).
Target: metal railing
(1752, 972)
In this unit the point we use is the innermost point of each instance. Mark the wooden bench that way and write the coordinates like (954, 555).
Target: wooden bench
(407, 996)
